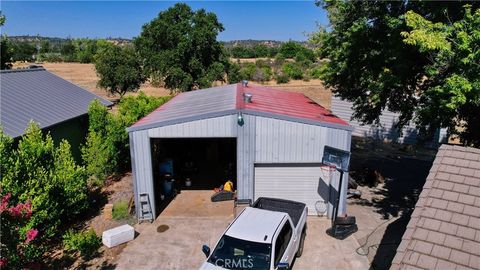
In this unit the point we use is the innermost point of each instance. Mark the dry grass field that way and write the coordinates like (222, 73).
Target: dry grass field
(84, 75)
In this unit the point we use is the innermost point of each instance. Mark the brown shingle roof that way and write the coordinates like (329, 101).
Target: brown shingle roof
(444, 230)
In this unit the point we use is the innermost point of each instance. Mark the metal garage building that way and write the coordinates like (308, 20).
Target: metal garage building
(277, 139)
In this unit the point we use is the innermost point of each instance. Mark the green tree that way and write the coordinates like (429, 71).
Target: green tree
(45, 46)
(180, 48)
(85, 50)
(233, 73)
(451, 87)
(6, 53)
(67, 50)
(5, 48)
(119, 69)
(2, 19)
(290, 49)
(23, 51)
(371, 65)
(292, 70)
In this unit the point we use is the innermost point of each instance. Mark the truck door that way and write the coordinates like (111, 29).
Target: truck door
(284, 245)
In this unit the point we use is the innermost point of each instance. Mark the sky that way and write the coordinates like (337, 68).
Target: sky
(272, 20)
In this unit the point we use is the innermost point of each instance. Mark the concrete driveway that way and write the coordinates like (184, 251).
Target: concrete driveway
(193, 220)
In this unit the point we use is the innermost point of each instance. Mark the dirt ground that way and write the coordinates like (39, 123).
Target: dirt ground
(85, 76)
(116, 190)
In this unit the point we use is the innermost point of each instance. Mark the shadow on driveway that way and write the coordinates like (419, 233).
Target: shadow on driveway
(404, 170)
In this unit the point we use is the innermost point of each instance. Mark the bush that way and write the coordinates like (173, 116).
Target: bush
(247, 71)
(316, 72)
(305, 54)
(262, 63)
(47, 175)
(120, 210)
(292, 70)
(282, 78)
(259, 75)
(233, 73)
(50, 57)
(85, 242)
(106, 150)
(20, 246)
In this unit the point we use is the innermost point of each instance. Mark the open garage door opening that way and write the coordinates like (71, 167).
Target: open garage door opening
(194, 163)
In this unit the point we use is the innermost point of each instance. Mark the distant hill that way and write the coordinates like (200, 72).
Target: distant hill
(228, 44)
(58, 40)
(252, 43)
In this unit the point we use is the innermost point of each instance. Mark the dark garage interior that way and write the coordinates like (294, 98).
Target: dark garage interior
(207, 162)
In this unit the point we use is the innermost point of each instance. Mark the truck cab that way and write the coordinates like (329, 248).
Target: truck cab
(261, 238)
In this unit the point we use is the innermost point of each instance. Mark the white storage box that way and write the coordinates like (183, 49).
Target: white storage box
(118, 235)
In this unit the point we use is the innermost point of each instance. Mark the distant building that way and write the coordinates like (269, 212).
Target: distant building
(385, 130)
(56, 105)
(444, 230)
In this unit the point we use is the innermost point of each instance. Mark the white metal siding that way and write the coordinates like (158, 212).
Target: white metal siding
(245, 156)
(206, 128)
(142, 166)
(309, 185)
(386, 130)
(279, 141)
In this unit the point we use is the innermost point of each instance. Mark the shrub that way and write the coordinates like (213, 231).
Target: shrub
(268, 73)
(85, 242)
(279, 59)
(247, 71)
(316, 72)
(260, 63)
(106, 150)
(282, 78)
(292, 70)
(305, 54)
(233, 73)
(20, 246)
(136, 107)
(45, 174)
(120, 210)
(259, 75)
(50, 57)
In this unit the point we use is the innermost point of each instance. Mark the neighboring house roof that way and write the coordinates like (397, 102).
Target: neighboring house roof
(228, 99)
(444, 230)
(38, 95)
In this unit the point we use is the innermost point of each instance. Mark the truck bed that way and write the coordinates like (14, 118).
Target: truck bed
(292, 208)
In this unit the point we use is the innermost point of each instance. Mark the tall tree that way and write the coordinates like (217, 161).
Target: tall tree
(5, 48)
(451, 87)
(371, 64)
(119, 69)
(180, 49)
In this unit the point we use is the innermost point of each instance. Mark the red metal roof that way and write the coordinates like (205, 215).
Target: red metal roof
(228, 99)
(274, 101)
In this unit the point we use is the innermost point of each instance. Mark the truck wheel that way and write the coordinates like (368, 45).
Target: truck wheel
(302, 242)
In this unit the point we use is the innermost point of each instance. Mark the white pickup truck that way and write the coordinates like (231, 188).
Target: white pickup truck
(267, 235)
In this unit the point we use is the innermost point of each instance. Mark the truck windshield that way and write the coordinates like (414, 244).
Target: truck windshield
(233, 253)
